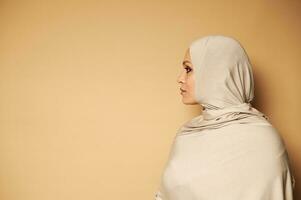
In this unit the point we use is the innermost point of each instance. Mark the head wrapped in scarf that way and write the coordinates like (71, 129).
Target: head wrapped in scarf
(224, 84)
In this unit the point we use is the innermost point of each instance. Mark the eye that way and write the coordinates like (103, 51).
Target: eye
(188, 69)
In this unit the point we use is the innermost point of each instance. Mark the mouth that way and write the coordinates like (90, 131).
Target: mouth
(182, 90)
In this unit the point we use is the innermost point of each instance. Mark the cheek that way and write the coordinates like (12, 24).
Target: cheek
(190, 83)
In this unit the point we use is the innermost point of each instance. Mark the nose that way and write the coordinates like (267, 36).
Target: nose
(181, 78)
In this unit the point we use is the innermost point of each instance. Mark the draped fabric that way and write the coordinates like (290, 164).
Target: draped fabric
(230, 151)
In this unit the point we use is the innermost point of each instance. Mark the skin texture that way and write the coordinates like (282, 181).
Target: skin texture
(186, 80)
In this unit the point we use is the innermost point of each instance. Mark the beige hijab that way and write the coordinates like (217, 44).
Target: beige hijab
(230, 151)
(224, 84)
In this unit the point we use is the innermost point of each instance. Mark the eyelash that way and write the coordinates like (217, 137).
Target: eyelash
(188, 68)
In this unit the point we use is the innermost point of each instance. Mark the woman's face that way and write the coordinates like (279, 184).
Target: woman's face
(186, 80)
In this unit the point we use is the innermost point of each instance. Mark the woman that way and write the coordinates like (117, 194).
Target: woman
(231, 151)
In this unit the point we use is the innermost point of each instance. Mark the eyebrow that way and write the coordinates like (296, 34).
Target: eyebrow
(186, 61)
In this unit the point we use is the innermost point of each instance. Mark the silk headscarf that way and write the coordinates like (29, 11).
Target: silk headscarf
(224, 84)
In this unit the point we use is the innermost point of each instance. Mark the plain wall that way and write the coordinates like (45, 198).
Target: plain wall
(89, 99)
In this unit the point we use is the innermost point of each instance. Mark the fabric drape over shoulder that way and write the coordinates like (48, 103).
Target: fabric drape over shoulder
(230, 151)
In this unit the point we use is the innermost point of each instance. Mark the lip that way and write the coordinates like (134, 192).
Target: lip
(182, 90)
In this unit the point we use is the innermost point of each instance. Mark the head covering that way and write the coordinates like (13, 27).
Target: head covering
(224, 84)
(209, 159)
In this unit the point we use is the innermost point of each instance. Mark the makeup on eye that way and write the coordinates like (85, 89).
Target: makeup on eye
(188, 68)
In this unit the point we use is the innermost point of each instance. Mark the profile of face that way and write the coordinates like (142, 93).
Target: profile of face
(186, 81)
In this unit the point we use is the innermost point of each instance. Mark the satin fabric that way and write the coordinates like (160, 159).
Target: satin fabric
(230, 151)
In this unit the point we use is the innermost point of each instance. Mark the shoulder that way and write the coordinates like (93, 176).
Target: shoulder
(264, 137)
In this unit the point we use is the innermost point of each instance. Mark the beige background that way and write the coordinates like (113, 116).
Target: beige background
(89, 99)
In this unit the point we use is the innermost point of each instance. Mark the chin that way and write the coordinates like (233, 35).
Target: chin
(189, 102)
